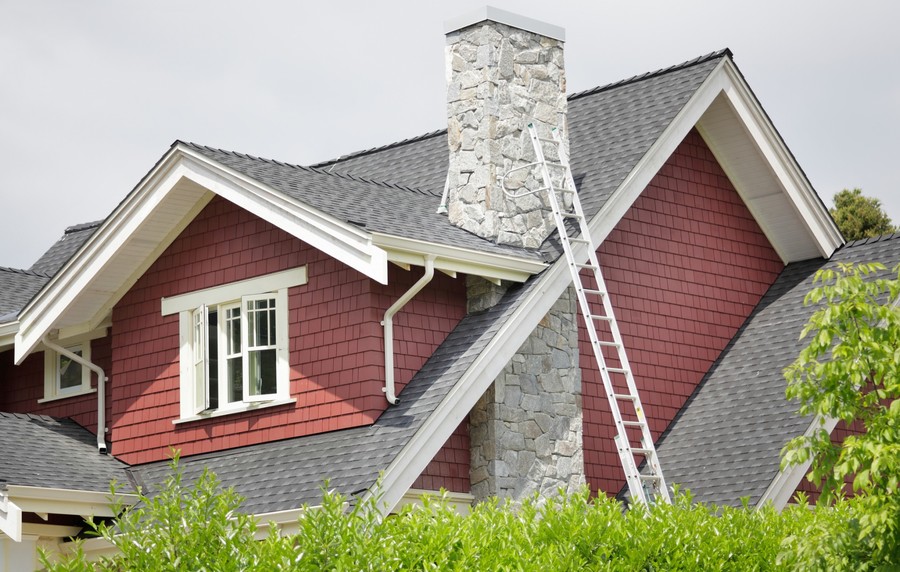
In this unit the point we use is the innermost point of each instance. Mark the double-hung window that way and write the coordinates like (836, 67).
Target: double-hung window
(234, 344)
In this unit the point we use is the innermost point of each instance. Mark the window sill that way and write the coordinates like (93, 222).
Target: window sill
(68, 395)
(242, 408)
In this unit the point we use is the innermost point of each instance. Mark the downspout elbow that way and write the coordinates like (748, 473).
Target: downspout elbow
(101, 389)
(389, 389)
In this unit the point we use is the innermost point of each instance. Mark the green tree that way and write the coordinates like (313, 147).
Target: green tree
(850, 370)
(859, 216)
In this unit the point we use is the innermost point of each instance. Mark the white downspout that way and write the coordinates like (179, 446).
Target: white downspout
(101, 389)
(388, 324)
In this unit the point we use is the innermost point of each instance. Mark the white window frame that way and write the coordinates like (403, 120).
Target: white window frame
(52, 389)
(193, 308)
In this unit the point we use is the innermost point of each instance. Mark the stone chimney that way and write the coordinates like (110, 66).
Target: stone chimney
(503, 70)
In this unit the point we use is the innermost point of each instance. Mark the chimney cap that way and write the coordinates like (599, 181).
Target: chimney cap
(505, 17)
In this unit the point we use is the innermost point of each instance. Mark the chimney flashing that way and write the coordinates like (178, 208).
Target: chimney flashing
(504, 17)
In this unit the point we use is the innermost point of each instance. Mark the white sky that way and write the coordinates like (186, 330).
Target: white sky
(93, 93)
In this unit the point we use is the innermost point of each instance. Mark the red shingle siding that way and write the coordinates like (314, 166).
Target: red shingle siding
(841, 431)
(684, 267)
(450, 467)
(336, 348)
(22, 386)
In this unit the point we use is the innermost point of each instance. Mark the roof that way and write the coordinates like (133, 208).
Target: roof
(63, 249)
(388, 208)
(725, 443)
(41, 451)
(283, 475)
(17, 287)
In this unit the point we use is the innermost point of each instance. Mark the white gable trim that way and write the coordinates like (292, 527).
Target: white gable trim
(151, 217)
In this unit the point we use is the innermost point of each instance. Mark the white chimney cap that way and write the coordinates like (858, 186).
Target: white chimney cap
(508, 18)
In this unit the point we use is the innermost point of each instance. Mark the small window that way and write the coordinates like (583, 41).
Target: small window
(65, 377)
(234, 349)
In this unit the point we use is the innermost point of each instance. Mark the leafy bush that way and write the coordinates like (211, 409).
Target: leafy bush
(199, 528)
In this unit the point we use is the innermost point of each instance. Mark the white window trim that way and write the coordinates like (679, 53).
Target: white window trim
(186, 306)
(52, 390)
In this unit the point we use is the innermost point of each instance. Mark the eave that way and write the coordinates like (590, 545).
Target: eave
(17, 499)
(451, 259)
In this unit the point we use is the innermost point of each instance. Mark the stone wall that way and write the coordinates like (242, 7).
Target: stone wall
(500, 78)
(526, 431)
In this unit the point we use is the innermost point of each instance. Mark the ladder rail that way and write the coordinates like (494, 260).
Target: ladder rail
(634, 479)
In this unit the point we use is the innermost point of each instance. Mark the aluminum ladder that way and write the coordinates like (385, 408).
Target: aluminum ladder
(596, 310)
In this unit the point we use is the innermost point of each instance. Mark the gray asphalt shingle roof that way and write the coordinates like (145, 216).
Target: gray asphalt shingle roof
(285, 474)
(41, 451)
(63, 249)
(17, 287)
(376, 207)
(725, 443)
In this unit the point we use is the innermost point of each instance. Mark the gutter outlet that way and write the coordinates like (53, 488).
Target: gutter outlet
(388, 324)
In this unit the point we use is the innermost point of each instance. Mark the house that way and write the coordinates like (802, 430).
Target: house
(236, 308)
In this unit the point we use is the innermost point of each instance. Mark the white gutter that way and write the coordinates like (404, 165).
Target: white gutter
(101, 389)
(388, 324)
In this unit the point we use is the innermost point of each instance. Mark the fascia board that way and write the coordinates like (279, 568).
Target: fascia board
(454, 259)
(789, 174)
(335, 237)
(66, 501)
(39, 316)
(8, 334)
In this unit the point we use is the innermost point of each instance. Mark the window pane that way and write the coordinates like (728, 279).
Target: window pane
(261, 323)
(69, 372)
(263, 379)
(234, 373)
(233, 330)
(212, 386)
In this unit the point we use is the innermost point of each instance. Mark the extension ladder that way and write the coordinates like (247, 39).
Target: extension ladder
(596, 309)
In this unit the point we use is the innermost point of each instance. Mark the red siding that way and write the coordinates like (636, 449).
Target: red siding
(841, 431)
(22, 386)
(684, 267)
(450, 467)
(336, 349)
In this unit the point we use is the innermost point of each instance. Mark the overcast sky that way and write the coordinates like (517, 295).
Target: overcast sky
(93, 93)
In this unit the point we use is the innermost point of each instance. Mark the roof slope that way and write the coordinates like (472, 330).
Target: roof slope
(377, 207)
(41, 451)
(610, 129)
(285, 474)
(726, 440)
(17, 287)
(63, 249)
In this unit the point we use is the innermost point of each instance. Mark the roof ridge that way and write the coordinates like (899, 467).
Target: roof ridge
(83, 226)
(724, 52)
(389, 185)
(871, 239)
(245, 155)
(378, 149)
(25, 272)
(312, 169)
(578, 94)
(37, 416)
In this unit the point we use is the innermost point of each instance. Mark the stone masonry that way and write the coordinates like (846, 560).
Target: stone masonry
(526, 430)
(499, 79)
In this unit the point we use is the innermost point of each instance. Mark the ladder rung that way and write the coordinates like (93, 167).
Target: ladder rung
(633, 423)
(585, 265)
(608, 344)
(616, 370)
(601, 318)
(570, 215)
(649, 477)
(625, 397)
(578, 240)
(595, 292)
(642, 451)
